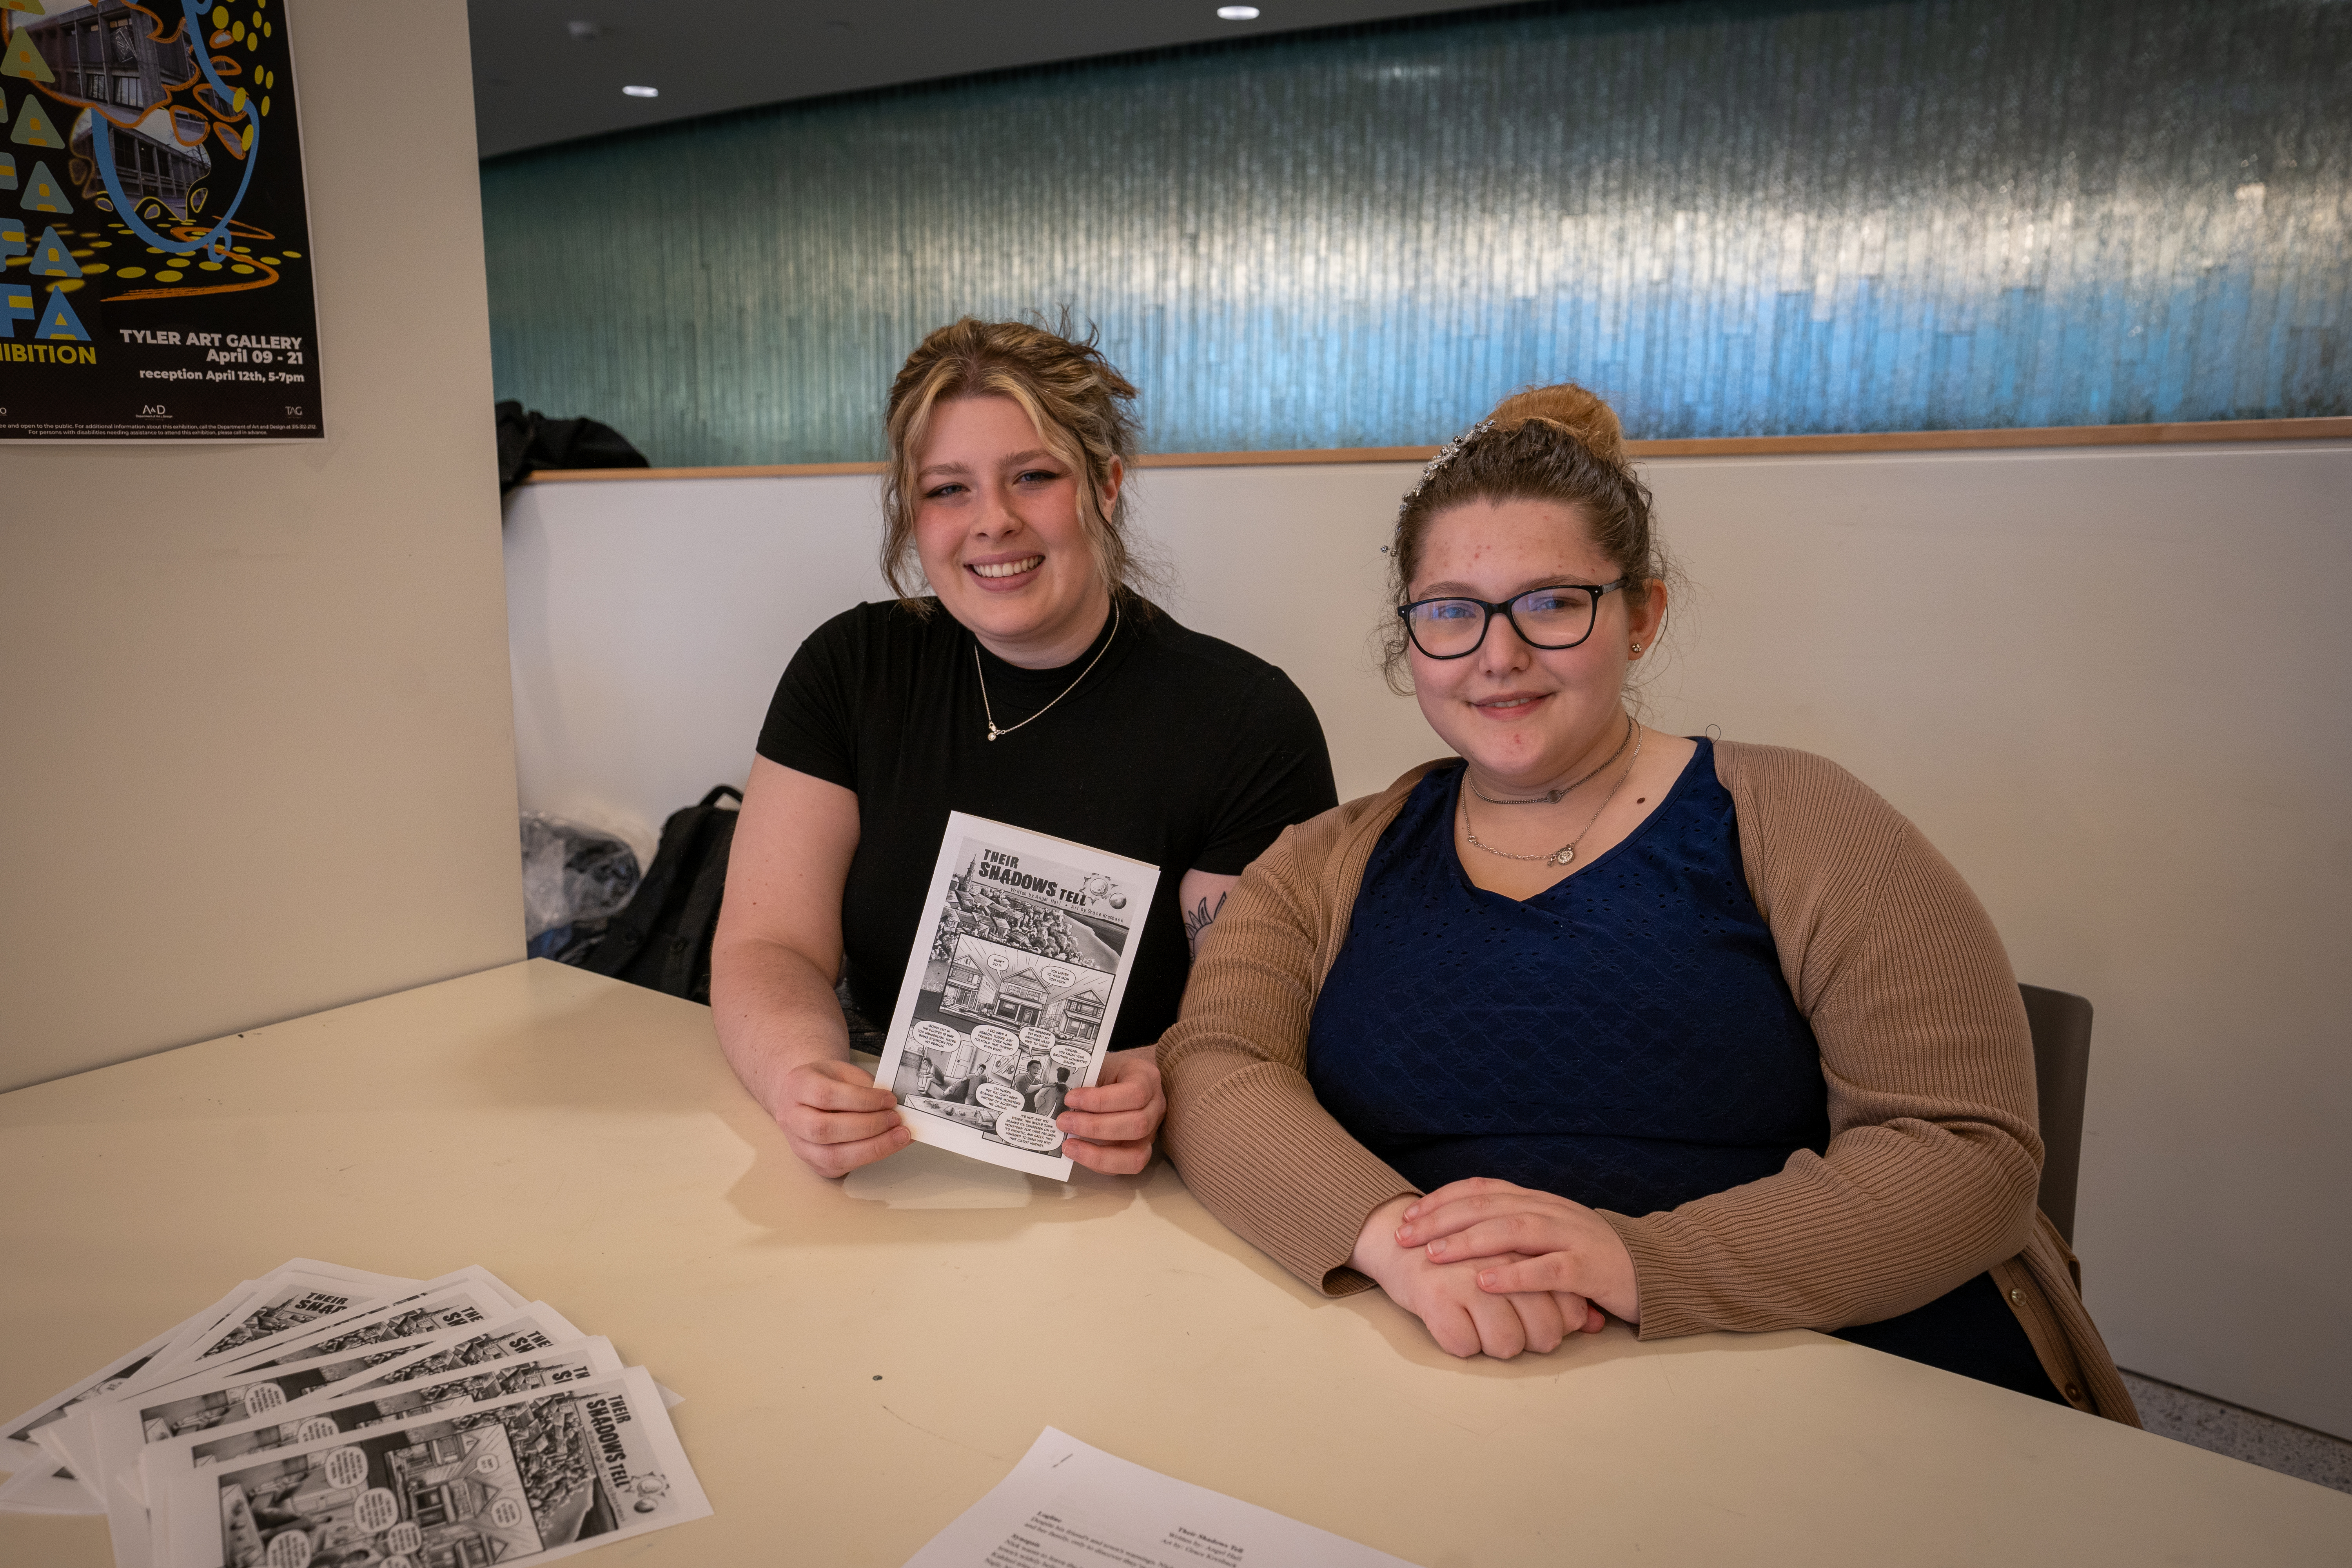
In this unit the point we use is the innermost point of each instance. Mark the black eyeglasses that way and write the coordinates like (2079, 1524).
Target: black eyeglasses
(1559, 616)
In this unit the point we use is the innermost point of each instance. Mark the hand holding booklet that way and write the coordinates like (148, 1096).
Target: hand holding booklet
(1021, 961)
(322, 1415)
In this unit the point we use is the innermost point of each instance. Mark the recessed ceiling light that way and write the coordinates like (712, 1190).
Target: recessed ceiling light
(1238, 13)
(642, 92)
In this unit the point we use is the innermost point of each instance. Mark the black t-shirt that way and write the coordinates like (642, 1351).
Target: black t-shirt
(1177, 750)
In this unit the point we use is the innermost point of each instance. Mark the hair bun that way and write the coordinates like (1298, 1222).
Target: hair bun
(1574, 410)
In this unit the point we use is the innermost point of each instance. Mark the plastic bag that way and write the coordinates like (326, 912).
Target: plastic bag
(572, 873)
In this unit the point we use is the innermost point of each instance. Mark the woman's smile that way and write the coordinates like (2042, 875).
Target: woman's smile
(1510, 704)
(1004, 573)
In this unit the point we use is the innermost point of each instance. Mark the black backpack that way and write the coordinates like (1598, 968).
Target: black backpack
(661, 937)
(532, 440)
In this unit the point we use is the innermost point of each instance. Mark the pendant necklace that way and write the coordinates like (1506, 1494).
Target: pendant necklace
(1566, 853)
(1554, 796)
(994, 731)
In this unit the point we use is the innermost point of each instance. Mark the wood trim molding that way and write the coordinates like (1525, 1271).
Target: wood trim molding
(1706, 446)
(1989, 440)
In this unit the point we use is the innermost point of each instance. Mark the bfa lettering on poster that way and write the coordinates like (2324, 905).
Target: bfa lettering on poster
(49, 353)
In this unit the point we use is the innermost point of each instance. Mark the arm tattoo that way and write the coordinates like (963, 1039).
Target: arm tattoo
(1197, 920)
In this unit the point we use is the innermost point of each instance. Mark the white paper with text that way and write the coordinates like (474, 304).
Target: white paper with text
(1070, 1505)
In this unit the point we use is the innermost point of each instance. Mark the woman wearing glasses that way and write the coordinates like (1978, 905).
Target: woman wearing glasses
(1036, 686)
(1598, 1019)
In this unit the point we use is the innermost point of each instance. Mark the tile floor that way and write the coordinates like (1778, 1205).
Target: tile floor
(2241, 1434)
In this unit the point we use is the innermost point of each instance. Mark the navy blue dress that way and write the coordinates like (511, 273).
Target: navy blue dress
(1623, 1038)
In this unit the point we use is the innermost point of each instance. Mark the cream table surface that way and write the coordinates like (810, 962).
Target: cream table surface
(860, 1361)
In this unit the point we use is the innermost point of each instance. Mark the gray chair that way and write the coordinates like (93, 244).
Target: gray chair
(2061, 1022)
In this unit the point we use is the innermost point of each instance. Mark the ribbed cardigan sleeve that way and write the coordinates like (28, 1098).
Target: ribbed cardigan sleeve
(1243, 1127)
(1934, 1155)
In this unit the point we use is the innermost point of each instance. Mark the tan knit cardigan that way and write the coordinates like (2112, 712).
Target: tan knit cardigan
(1933, 1159)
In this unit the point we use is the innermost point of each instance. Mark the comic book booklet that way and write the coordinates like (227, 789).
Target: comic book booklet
(382, 1404)
(99, 1437)
(379, 1341)
(521, 1480)
(48, 1488)
(294, 1297)
(20, 1449)
(42, 1483)
(1021, 961)
(60, 1426)
(125, 1435)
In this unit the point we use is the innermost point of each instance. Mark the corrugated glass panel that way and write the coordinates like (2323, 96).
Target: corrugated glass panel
(1732, 219)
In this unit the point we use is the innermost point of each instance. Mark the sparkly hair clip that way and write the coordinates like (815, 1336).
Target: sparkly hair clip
(1445, 453)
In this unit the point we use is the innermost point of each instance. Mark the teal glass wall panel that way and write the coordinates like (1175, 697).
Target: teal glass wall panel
(1731, 219)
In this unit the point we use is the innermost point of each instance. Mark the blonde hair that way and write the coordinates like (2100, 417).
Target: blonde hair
(1547, 443)
(1076, 397)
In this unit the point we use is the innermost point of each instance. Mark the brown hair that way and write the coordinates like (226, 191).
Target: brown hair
(1076, 397)
(1548, 443)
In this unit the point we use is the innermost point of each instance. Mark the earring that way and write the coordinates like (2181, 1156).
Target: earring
(1637, 650)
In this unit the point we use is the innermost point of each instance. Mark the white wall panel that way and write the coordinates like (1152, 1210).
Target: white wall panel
(258, 752)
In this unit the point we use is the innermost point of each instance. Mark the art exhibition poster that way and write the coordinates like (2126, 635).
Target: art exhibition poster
(155, 270)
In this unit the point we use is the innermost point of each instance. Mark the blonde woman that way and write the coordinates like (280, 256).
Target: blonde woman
(1035, 686)
(1589, 1018)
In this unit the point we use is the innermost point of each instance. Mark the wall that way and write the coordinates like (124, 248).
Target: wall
(259, 739)
(2110, 685)
(1731, 218)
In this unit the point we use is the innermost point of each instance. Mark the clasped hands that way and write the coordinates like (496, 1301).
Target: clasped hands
(837, 1118)
(1496, 1268)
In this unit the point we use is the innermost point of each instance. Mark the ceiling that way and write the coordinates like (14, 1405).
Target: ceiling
(549, 70)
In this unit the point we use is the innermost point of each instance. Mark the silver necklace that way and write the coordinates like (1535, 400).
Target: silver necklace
(994, 731)
(1566, 853)
(1554, 796)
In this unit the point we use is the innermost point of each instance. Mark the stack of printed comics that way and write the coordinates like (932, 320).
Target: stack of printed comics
(326, 1416)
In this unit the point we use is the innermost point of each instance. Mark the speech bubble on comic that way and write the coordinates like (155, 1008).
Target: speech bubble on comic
(506, 1513)
(1073, 1055)
(317, 1429)
(287, 1549)
(1000, 1097)
(936, 1036)
(995, 1041)
(1024, 1130)
(376, 1509)
(999, 962)
(344, 1467)
(263, 1397)
(487, 1465)
(403, 1537)
(1034, 1038)
(1055, 974)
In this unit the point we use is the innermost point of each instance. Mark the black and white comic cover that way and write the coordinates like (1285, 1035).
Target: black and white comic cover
(1025, 947)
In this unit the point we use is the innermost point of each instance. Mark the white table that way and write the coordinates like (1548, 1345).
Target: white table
(856, 1373)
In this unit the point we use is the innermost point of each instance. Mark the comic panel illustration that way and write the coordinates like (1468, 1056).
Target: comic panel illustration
(1016, 992)
(497, 1484)
(291, 1306)
(415, 1397)
(195, 1405)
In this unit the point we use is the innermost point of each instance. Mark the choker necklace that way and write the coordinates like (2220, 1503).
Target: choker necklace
(993, 731)
(1566, 853)
(1554, 796)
